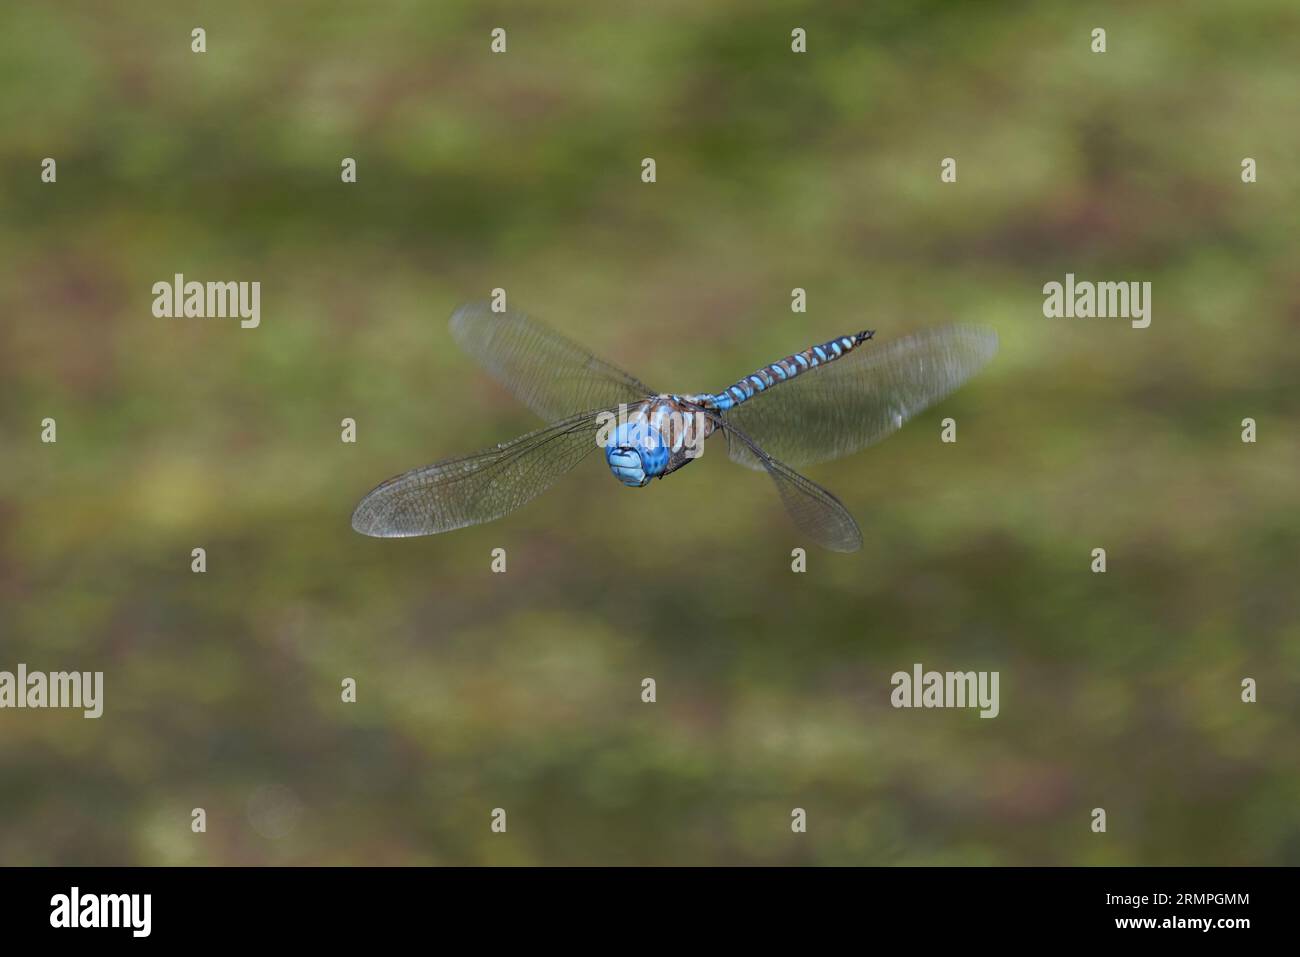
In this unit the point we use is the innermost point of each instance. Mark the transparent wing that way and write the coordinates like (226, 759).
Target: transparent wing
(477, 488)
(550, 374)
(856, 401)
(817, 513)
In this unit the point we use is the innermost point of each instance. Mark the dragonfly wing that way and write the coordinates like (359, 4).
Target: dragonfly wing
(477, 488)
(818, 514)
(856, 401)
(550, 374)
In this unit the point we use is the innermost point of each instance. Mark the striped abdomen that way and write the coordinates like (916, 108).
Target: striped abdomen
(787, 368)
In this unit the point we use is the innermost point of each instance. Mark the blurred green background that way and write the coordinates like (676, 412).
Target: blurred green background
(521, 691)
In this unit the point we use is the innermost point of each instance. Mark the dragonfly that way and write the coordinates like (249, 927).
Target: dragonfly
(827, 401)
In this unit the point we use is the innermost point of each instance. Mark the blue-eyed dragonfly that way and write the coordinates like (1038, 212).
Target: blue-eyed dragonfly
(825, 402)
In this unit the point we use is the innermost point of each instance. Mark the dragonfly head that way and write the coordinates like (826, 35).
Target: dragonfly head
(636, 453)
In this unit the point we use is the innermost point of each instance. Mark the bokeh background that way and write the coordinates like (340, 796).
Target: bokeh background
(521, 690)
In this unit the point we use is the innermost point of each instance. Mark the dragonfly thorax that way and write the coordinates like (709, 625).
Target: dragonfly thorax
(654, 438)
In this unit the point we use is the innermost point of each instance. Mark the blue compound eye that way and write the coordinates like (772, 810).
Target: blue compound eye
(626, 465)
(636, 453)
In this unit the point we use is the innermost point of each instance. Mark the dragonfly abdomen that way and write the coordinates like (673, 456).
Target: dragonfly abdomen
(787, 368)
